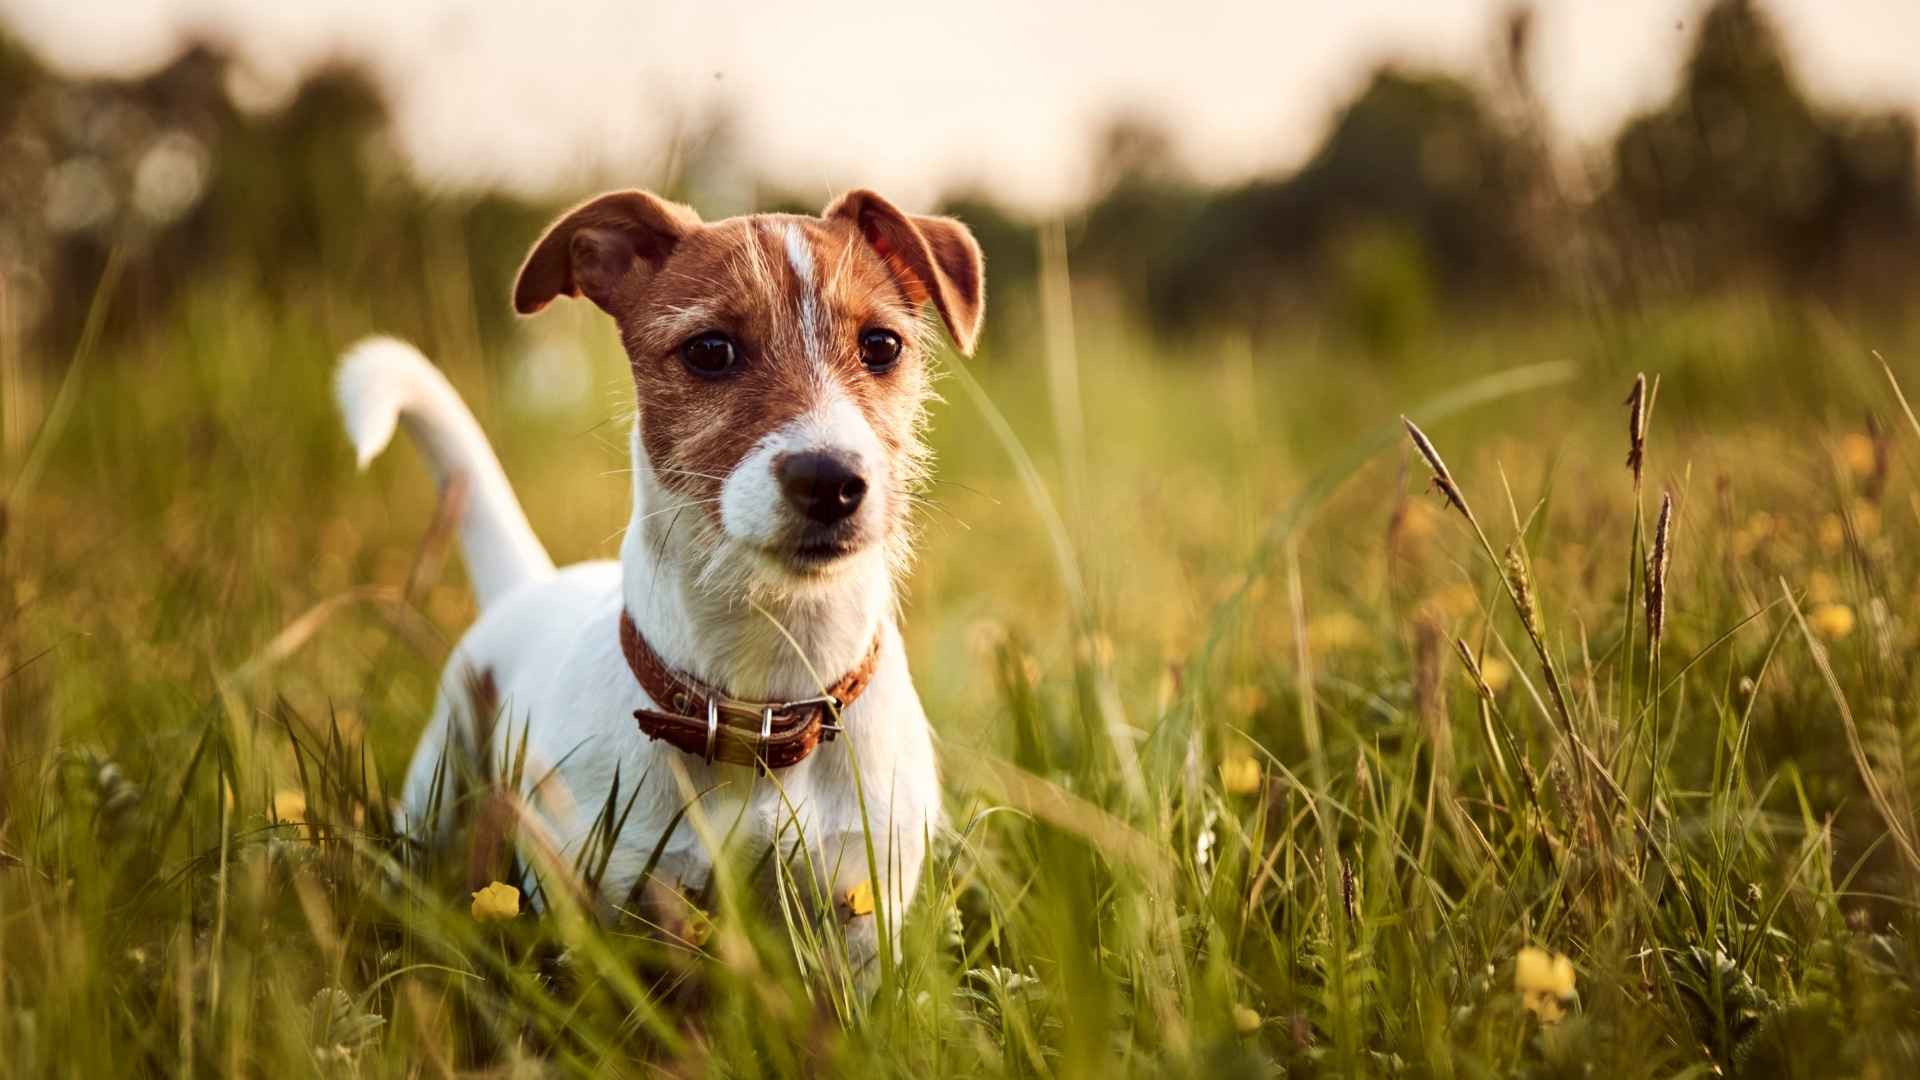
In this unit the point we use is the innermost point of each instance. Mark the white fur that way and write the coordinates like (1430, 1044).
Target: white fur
(708, 602)
(751, 507)
(800, 257)
(383, 382)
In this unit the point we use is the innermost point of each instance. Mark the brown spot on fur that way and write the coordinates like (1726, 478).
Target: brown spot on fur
(488, 859)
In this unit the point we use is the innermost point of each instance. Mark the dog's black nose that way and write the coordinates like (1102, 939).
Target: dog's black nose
(822, 486)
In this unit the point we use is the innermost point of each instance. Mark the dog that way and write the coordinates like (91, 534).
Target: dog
(736, 680)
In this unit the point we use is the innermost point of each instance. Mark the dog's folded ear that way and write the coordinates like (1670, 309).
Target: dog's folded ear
(933, 258)
(593, 247)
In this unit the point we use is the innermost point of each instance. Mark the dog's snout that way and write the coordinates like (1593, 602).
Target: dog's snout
(823, 486)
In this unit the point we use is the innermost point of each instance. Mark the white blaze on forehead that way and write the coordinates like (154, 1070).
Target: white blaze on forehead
(800, 257)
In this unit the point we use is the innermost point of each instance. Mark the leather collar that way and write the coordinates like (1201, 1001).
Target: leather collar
(710, 725)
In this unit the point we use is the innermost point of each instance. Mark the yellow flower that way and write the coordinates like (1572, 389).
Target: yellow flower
(497, 902)
(859, 900)
(1856, 453)
(1496, 672)
(1545, 982)
(1240, 774)
(1245, 1020)
(1831, 621)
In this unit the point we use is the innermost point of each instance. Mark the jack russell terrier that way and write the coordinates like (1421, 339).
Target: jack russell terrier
(741, 663)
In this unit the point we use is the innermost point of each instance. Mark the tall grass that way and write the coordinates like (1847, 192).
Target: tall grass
(1259, 757)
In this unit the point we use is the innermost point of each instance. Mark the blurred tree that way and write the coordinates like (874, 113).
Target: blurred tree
(167, 171)
(1740, 175)
(1142, 210)
(1417, 157)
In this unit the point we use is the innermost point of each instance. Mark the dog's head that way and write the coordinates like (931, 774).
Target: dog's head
(780, 363)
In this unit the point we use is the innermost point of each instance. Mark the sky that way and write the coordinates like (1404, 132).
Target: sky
(916, 99)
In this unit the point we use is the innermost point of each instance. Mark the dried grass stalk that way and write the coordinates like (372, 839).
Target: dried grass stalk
(1473, 668)
(1442, 478)
(1516, 571)
(1657, 572)
(1637, 427)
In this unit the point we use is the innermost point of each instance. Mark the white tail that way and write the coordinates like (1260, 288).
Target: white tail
(383, 382)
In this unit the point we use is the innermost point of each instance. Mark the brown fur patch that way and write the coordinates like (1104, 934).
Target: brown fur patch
(735, 278)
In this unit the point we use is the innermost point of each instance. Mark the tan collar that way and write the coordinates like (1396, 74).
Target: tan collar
(708, 724)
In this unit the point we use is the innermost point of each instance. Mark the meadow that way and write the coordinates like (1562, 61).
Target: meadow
(1263, 756)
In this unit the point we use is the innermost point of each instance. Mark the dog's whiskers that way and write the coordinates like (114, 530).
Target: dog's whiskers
(690, 472)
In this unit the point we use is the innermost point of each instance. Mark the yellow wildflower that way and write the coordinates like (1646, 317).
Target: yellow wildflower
(1545, 982)
(1856, 453)
(1245, 1020)
(497, 902)
(858, 900)
(1831, 621)
(1240, 774)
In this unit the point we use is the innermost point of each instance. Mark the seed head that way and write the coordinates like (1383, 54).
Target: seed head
(1657, 571)
(1637, 426)
(1349, 890)
(1473, 668)
(1516, 570)
(1442, 479)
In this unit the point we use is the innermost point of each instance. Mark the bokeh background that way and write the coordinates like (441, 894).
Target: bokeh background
(1179, 576)
(1364, 166)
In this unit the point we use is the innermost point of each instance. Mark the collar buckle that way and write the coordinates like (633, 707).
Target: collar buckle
(700, 735)
(713, 727)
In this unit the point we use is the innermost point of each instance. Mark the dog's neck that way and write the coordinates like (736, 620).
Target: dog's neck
(702, 604)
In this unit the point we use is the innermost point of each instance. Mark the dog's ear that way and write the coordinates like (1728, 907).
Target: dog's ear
(594, 246)
(933, 258)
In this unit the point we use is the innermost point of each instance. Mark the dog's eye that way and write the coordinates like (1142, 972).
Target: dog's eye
(711, 355)
(879, 349)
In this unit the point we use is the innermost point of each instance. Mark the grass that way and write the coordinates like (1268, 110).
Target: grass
(1260, 758)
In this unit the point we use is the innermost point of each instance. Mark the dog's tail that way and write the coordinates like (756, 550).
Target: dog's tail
(383, 382)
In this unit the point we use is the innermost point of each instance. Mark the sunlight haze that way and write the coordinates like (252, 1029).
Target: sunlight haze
(921, 99)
